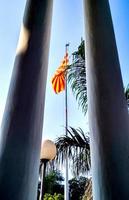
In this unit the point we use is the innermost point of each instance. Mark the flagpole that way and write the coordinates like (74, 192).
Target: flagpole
(66, 127)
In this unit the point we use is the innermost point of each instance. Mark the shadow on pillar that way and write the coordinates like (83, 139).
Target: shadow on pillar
(21, 129)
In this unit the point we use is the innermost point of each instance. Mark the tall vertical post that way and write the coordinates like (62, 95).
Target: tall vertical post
(108, 115)
(43, 170)
(21, 130)
(66, 194)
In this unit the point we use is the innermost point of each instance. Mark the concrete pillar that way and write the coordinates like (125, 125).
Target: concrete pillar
(21, 130)
(108, 115)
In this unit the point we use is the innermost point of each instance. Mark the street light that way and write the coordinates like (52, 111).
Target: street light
(48, 152)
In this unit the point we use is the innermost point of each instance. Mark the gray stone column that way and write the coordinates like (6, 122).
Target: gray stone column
(21, 130)
(108, 115)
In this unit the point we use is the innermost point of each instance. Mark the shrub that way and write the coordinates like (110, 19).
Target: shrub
(53, 197)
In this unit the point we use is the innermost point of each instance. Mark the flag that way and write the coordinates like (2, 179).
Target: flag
(58, 80)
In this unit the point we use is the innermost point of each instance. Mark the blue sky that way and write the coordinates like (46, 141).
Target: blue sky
(67, 26)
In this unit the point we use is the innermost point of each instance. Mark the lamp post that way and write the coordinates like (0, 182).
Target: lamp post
(48, 152)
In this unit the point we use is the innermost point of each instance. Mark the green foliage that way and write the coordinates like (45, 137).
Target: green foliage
(77, 77)
(77, 146)
(53, 182)
(53, 197)
(77, 188)
(81, 50)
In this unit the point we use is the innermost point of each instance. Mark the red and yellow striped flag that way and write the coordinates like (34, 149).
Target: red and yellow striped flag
(58, 80)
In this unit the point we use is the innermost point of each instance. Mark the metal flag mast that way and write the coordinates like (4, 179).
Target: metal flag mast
(66, 127)
(59, 83)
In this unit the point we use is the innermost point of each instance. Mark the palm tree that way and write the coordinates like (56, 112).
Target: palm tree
(76, 143)
(77, 146)
(77, 77)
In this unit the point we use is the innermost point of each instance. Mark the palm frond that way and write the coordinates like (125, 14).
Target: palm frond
(77, 76)
(76, 146)
(77, 81)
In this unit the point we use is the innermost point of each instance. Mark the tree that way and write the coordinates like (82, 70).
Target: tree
(76, 143)
(53, 182)
(77, 187)
(77, 77)
(77, 147)
(53, 197)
